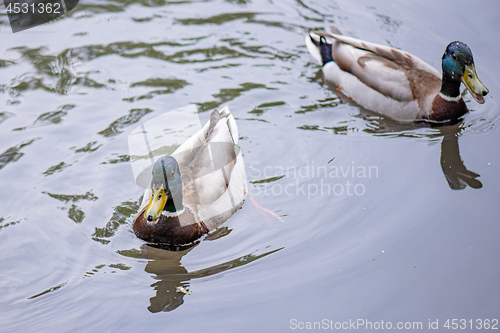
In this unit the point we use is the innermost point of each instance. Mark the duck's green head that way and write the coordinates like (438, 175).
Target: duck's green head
(458, 65)
(167, 188)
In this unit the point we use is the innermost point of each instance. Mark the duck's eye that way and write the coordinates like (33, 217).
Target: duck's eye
(470, 76)
(159, 196)
(454, 57)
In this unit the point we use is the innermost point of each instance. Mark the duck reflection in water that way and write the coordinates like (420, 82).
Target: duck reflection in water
(454, 170)
(453, 167)
(172, 278)
(169, 274)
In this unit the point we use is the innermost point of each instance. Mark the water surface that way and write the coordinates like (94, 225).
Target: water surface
(381, 220)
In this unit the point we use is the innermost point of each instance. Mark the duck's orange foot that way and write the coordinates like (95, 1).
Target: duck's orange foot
(264, 209)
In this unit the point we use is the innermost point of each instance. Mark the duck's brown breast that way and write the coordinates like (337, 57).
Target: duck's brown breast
(447, 110)
(170, 230)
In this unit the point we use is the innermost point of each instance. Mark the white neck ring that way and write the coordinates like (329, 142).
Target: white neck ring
(450, 99)
(173, 214)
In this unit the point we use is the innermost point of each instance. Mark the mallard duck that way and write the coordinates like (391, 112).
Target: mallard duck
(393, 82)
(197, 188)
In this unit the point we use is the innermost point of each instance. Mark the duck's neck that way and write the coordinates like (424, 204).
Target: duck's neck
(450, 88)
(173, 208)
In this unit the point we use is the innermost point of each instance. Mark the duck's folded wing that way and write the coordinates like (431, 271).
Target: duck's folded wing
(212, 166)
(393, 73)
(216, 174)
(207, 159)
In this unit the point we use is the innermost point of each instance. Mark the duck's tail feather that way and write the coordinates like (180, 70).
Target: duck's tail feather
(215, 116)
(231, 123)
(335, 30)
(319, 47)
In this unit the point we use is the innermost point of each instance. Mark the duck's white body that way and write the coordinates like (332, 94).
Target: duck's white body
(368, 98)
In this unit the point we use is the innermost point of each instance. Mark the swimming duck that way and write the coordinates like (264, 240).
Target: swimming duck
(197, 188)
(396, 83)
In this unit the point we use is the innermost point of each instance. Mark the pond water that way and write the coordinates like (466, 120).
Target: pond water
(373, 219)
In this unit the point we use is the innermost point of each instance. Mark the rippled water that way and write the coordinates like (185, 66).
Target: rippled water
(380, 220)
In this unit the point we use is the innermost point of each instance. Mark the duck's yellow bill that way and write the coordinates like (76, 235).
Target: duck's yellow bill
(475, 87)
(156, 204)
